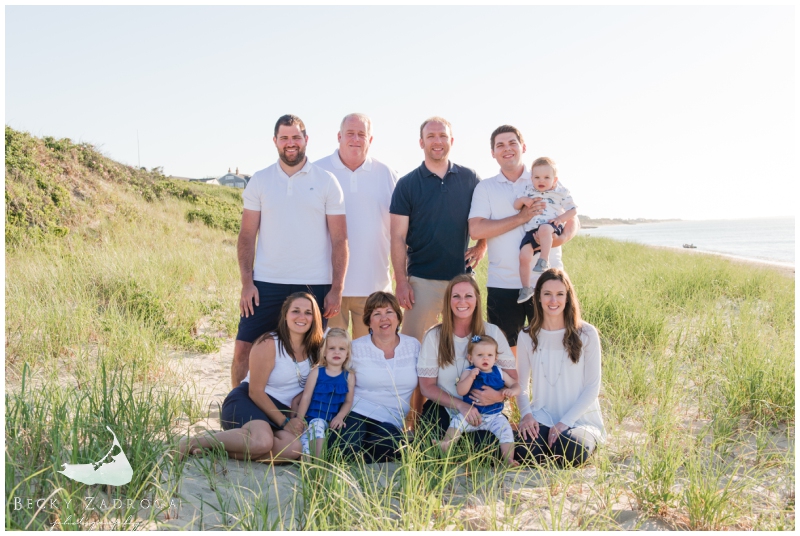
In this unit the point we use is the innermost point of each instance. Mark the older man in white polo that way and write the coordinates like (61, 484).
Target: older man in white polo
(367, 185)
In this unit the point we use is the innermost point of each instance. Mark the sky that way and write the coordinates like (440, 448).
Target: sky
(649, 112)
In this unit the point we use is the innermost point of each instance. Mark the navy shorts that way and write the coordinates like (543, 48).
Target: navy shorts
(529, 238)
(503, 311)
(271, 297)
(239, 409)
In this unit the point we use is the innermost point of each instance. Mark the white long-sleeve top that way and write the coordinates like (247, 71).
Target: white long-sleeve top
(554, 389)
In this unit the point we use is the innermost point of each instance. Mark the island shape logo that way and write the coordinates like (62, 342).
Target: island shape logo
(116, 471)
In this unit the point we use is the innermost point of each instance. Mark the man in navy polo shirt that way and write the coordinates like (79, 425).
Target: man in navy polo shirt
(429, 230)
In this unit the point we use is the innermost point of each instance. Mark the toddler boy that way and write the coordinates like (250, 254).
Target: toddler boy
(540, 229)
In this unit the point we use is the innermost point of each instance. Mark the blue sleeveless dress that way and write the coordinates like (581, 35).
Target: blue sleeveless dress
(329, 395)
(493, 379)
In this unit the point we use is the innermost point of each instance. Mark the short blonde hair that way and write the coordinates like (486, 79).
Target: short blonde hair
(545, 161)
(337, 333)
(435, 119)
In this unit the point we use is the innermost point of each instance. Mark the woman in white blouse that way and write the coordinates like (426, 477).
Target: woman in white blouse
(385, 366)
(559, 363)
(443, 358)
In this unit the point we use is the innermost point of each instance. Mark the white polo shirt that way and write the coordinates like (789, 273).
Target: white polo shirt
(294, 244)
(367, 194)
(493, 199)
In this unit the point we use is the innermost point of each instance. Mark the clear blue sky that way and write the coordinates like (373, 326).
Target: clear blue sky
(651, 112)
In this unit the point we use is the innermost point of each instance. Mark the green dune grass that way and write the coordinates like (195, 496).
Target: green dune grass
(111, 270)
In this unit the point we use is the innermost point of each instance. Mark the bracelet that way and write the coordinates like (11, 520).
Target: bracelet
(285, 423)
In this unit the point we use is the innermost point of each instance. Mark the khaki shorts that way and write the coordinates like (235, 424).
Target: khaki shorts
(351, 313)
(427, 308)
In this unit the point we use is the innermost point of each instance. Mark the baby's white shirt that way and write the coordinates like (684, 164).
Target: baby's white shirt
(558, 200)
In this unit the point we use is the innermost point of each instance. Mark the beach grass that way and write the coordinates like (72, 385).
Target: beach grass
(104, 297)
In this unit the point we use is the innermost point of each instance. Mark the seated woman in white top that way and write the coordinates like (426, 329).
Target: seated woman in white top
(385, 366)
(559, 363)
(443, 358)
(256, 415)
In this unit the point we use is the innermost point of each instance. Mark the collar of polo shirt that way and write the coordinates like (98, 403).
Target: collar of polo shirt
(451, 168)
(526, 174)
(305, 169)
(338, 164)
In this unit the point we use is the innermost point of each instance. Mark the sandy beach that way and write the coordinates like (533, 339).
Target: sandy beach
(212, 490)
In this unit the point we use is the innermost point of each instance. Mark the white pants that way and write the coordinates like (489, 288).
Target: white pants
(316, 430)
(496, 424)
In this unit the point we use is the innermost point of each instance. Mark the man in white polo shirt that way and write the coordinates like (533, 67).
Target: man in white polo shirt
(367, 185)
(297, 211)
(492, 216)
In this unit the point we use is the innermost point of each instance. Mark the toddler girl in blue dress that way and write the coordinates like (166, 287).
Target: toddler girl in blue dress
(328, 394)
(482, 354)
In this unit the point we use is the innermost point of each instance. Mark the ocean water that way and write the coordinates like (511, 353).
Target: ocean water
(765, 240)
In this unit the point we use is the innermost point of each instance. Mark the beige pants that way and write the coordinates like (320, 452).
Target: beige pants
(428, 298)
(352, 311)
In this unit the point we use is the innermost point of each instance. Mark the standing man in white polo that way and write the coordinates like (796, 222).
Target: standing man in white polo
(367, 185)
(492, 216)
(297, 211)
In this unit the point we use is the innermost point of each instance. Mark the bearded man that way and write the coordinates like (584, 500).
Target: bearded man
(296, 210)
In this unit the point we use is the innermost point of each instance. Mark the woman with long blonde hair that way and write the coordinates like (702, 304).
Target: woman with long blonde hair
(443, 358)
(559, 371)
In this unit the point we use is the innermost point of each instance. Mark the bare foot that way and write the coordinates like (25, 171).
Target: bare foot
(512, 462)
(187, 448)
(444, 445)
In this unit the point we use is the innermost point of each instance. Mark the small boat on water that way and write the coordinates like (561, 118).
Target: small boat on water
(690, 246)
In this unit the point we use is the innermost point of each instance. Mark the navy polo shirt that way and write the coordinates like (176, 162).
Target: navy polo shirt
(437, 210)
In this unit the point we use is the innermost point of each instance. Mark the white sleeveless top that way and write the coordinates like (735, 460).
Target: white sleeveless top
(283, 384)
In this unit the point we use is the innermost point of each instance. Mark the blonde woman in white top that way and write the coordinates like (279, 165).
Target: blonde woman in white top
(443, 358)
(257, 417)
(558, 359)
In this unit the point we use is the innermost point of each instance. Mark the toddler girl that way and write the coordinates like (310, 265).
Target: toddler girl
(482, 354)
(328, 394)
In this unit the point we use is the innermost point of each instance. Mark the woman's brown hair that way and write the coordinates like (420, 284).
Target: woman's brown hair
(572, 314)
(447, 350)
(312, 340)
(381, 299)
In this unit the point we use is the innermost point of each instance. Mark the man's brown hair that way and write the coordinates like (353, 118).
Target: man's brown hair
(504, 129)
(289, 120)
